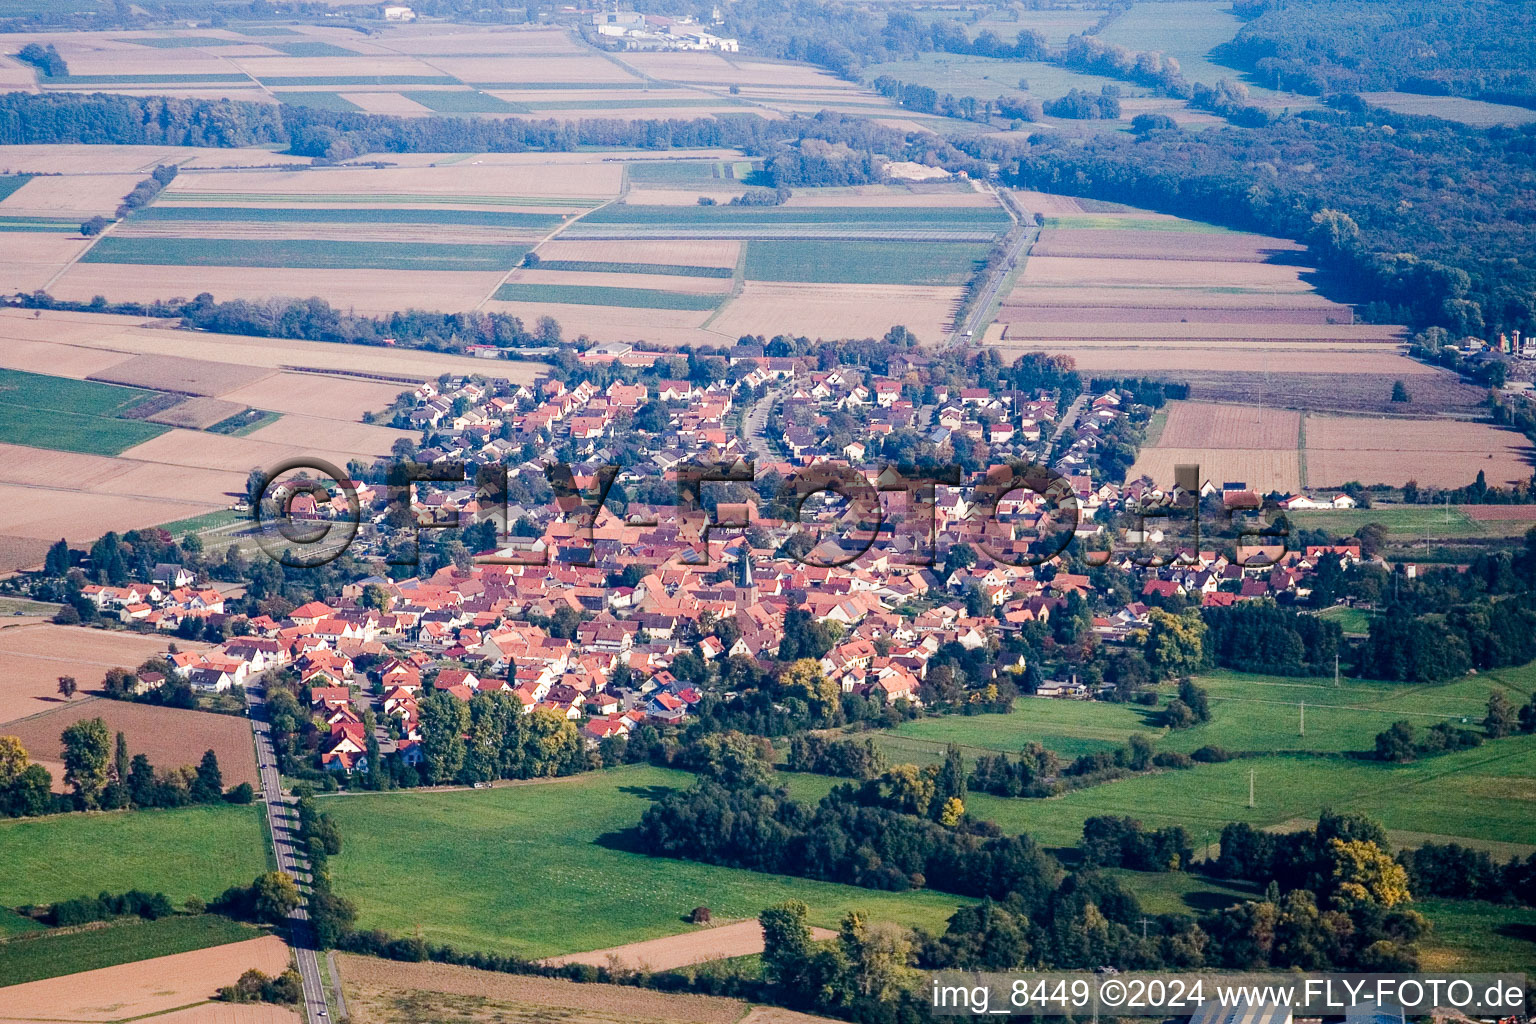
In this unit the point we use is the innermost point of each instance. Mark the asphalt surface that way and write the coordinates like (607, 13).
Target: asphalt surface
(283, 819)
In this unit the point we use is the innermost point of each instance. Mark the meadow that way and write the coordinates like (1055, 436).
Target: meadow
(551, 874)
(851, 216)
(592, 295)
(70, 415)
(1186, 30)
(190, 851)
(314, 254)
(850, 262)
(686, 172)
(988, 77)
(49, 955)
(1408, 522)
(455, 102)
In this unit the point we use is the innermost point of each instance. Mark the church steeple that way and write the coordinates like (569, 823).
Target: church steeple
(744, 569)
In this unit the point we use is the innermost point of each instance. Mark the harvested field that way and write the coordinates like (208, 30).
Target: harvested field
(1262, 470)
(1500, 513)
(130, 991)
(367, 291)
(197, 413)
(465, 185)
(134, 335)
(219, 451)
(70, 195)
(837, 311)
(615, 323)
(81, 516)
(21, 552)
(1160, 245)
(742, 938)
(32, 258)
(1167, 297)
(386, 103)
(1202, 364)
(1095, 272)
(1047, 204)
(56, 360)
(1027, 314)
(173, 373)
(930, 196)
(699, 252)
(306, 253)
(361, 439)
(231, 1013)
(384, 992)
(169, 737)
(1199, 424)
(1251, 330)
(1436, 453)
(621, 282)
(33, 657)
(314, 394)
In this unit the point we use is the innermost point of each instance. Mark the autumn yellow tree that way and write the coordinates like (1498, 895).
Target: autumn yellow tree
(1365, 873)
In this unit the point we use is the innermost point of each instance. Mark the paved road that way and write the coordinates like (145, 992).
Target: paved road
(756, 423)
(283, 818)
(1020, 237)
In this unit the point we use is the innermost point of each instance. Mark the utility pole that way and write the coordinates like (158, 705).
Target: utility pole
(1335, 667)
(1250, 787)
(1303, 727)
(1144, 920)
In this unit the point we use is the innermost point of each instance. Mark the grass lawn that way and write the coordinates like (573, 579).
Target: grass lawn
(1179, 892)
(70, 415)
(598, 295)
(1350, 620)
(207, 521)
(990, 77)
(520, 869)
(849, 262)
(190, 851)
(49, 955)
(319, 254)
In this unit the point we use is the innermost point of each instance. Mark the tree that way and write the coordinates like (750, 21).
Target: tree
(57, 562)
(786, 942)
(1397, 743)
(949, 784)
(1175, 644)
(444, 719)
(1500, 720)
(94, 226)
(1364, 873)
(86, 750)
(208, 787)
(1400, 392)
(878, 956)
(732, 759)
(274, 895)
(804, 679)
(67, 687)
(13, 760)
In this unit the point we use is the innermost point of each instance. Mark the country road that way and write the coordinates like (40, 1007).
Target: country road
(1020, 238)
(756, 423)
(282, 818)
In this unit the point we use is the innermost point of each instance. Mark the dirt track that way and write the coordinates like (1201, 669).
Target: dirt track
(742, 938)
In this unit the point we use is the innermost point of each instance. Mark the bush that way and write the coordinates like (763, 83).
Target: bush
(241, 794)
(1211, 755)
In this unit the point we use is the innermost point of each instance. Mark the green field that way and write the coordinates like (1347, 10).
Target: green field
(1350, 620)
(10, 183)
(931, 263)
(987, 78)
(1476, 113)
(519, 869)
(1409, 522)
(471, 102)
(312, 48)
(179, 42)
(207, 521)
(346, 215)
(1100, 222)
(597, 295)
(678, 172)
(1184, 29)
(70, 415)
(190, 851)
(319, 254)
(1484, 794)
(319, 100)
(1068, 727)
(48, 955)
(1475, 936)
(665, 269)
(12, 923)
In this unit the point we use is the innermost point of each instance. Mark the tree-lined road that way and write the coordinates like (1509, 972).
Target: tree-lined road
(282, 818)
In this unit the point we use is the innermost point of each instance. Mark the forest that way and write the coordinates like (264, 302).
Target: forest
(1476, 48)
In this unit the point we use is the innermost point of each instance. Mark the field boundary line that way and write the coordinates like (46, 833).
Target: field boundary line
(738, 285)
(623, 191)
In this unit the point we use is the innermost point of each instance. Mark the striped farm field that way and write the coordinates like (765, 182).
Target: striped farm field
(307, 253)
(346, 215)
(609, 267)
(320, 101)
(847, 262)
(583, 295)
(687, 172)
(460, 102)
(374, 199)
(851, 216)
